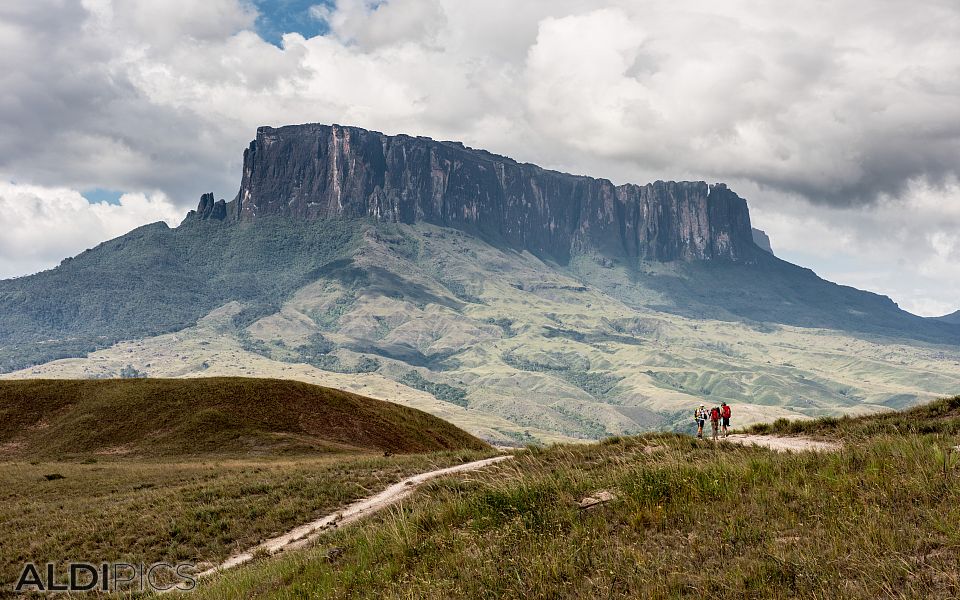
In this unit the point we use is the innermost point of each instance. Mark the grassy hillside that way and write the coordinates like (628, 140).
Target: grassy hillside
(688, 520)
(768, 290)
(179, 509)
(941, 417)
(222, 415)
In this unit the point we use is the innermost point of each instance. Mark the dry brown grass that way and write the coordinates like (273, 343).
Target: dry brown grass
(180, 510)
(55, 419)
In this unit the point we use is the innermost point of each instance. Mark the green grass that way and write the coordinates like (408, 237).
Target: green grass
(941, 417)
(223, 415)
(197, 510)
(690, 520)
(144, 470)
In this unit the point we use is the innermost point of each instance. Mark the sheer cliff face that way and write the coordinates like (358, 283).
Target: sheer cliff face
(314, 171)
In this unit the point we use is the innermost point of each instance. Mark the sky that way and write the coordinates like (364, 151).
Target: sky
(838, 121)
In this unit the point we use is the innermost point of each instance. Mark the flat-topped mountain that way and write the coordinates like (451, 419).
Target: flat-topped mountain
(321, 171)
(519, 303)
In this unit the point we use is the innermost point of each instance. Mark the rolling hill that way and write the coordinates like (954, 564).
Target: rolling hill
(221, 416)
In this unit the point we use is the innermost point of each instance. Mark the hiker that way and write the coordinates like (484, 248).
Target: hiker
(715, 420)
(700, 416)
(725, 415)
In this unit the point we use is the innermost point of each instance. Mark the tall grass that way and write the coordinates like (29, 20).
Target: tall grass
(938, 417)
(875, 520)
(189, 510)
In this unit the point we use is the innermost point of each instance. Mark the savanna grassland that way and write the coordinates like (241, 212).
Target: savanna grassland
(241, 416)
(878, 519)
(199, 510)
(146, 470)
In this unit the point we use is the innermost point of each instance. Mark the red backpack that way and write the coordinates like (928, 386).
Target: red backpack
(714, 414)
(726, 412)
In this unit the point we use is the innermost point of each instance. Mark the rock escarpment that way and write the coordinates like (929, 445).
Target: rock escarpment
(317, 171)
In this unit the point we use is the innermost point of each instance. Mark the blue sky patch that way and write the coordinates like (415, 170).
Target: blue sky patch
(286, 16)
(101, 195)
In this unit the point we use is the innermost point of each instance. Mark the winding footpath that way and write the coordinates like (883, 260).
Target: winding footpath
(782, 444)
(304, 534)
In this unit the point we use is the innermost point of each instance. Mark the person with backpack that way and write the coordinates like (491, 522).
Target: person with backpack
(725, 415)
(700, 416)
(715, 420)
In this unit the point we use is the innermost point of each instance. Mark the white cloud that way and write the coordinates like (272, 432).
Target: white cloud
(906, 247)
(41, 225)
(373, 23)
(848, 104)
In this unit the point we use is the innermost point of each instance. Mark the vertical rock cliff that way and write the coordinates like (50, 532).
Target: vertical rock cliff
(314, 171)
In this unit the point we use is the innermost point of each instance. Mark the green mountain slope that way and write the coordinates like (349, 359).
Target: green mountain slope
(953, 318)
(766, 290)
(189, 417)
(498, 341)
(156, 279)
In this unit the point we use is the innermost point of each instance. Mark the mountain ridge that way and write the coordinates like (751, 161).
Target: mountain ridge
(953, 318)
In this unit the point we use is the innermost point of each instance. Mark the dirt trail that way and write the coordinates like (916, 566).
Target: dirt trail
(782, 444)
(304, 534)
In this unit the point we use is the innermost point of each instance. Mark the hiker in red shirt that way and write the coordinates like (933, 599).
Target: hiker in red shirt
(725, 415)
(715, 420)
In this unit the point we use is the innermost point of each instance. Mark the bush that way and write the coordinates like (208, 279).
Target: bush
(129, 372)
(440, 391)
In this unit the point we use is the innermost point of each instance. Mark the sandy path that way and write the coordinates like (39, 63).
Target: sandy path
(782, 444)
(304, 534)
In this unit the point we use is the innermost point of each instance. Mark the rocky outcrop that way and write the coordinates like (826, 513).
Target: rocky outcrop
(315, 171)
(209, 209)
(762, 240)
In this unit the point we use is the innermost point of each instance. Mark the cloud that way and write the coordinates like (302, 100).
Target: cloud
(374, 23)
(840, 104)
(846, 106)
(42, 225)
(907, 247)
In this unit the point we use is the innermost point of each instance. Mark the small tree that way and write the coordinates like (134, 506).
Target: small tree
(129, 372)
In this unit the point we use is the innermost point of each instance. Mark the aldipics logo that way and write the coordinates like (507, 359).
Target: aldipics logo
(107, 577)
